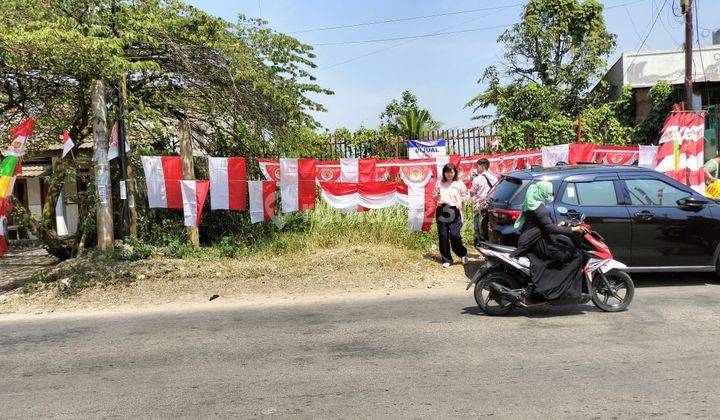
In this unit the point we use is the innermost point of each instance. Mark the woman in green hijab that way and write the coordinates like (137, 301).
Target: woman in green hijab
(555, 263)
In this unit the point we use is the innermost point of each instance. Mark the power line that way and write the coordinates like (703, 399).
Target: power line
(642, 44)
(399, 38)
(405, 19)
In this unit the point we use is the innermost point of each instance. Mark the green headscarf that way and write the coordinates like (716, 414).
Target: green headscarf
(538, 193)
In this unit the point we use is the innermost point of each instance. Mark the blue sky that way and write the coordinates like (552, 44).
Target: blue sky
(441, 70)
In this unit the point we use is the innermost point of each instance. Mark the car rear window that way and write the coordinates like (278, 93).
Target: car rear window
(510, 192)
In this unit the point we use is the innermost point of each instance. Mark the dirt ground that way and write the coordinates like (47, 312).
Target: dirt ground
(16, 267)
(160, 281)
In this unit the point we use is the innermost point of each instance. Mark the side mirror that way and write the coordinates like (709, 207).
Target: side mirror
(692, 203)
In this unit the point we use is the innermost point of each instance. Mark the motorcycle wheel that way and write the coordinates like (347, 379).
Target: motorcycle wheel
(616, 294)
(489, 301)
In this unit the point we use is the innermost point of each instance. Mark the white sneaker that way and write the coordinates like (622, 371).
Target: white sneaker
(446, 265)
(464, 260)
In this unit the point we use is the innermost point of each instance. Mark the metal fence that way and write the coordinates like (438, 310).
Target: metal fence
(459, 141)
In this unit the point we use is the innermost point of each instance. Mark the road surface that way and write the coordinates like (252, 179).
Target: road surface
(424, 354)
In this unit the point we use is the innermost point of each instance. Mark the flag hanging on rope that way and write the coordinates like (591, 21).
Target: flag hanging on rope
(297, 184)
(262, 200)
(194, 193)
(162, 177)
(228, 183)
(68, 144)
(21, 134)
(113, 150)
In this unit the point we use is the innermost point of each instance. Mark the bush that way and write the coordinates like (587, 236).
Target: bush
(177, 249)
(134, 249)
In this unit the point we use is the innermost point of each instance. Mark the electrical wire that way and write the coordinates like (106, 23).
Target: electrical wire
(642, 44)
(365, 41)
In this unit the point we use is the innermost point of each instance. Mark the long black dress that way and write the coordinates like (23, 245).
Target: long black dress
(555, 263)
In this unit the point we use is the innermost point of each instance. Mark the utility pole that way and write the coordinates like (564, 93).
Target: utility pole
(188, 172)
(102, 168)
(687, 10)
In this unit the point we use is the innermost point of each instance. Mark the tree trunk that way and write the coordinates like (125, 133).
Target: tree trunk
(188, 172)
(102, 168)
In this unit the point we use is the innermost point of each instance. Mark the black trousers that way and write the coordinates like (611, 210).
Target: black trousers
(449, 224)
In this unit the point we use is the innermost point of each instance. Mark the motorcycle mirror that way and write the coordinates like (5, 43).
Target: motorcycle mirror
(562, 210)
(582, 217)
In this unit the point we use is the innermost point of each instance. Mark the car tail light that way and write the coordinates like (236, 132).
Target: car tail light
(505, 216)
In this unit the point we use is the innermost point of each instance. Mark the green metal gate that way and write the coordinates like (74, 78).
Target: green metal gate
(711, 131)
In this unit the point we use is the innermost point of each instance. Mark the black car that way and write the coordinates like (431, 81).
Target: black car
(651, 222)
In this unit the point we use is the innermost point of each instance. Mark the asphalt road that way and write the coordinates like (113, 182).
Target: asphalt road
(430, 355)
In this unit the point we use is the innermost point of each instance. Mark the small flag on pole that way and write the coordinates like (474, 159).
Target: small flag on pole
(68, 144)
(113, 150)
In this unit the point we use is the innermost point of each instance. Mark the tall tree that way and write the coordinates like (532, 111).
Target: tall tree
(394, 113)
(551, 58)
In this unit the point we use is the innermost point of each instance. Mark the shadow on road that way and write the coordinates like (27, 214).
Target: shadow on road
(538, 311)
(673, 279)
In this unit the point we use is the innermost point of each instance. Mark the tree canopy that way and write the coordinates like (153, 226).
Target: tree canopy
(396, 111)
(238, 81)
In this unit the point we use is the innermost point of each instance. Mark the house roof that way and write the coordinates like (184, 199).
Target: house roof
(33, 170)
(646, 68)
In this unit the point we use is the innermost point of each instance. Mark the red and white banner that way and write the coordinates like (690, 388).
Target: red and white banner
(616, 155)
(194, 193)
(326, 171)
(347, 196)
(270, 169)
(21, 134)
(681, 151)
(162, 177)
(67, 143)
(113, 151)
(262, 200)
(647, 156)
(297, 184)
(228, 183)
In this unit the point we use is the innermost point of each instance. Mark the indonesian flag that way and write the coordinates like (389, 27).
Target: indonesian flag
(114, 140)
(3, 235)
(297, 184)
(417, 178)
(357, 170)
(647, 156)
(616, 155)
(681, 151)
(347, 196)
(21, 134)
(68, 144)
(270, 169)
(262, 200)
(194, 194)
(552, 155)
(228, 183)
(162, 177)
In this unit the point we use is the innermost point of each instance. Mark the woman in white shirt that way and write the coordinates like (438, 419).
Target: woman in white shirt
(451, 195)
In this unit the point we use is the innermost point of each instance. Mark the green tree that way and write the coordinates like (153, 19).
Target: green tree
(395, 111)
(414, 123)
(553, 55)
(238, 84)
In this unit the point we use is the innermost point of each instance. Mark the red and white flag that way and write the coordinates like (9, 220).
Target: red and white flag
(297, 184)
(357, 170)
(228, 183)
(21, 134)
(162, 177)
(326, 171)
(194, 194)
(270, 169)
(682, 147)
(262, 200)
(68, 144)
(113, 151)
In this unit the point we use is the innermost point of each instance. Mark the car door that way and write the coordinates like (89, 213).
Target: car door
(663, 233)
(598, 198)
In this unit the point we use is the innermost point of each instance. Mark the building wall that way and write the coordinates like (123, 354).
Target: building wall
(34, 196)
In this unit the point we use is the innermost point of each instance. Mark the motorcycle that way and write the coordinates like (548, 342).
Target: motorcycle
(502, 281)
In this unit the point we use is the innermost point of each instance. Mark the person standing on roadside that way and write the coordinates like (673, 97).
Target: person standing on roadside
(450, 194)
(481, 186)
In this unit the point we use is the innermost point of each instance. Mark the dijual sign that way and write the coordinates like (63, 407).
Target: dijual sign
(425, 149)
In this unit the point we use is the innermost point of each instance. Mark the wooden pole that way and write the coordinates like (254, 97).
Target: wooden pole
(102, 168)
(188, 172)
(687, 9)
